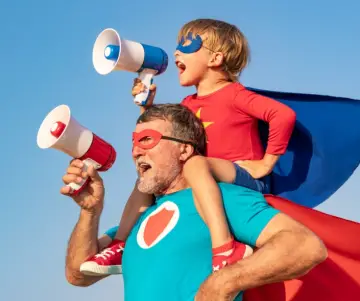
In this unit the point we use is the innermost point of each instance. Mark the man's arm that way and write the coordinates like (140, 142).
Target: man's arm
(287, 250)
(83, 243)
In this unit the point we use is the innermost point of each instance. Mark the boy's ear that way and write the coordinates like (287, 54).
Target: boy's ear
(216, 60)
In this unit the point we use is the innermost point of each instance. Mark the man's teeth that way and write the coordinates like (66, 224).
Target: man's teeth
(144, 167)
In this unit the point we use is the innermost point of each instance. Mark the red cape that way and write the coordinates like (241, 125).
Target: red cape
(337, 278)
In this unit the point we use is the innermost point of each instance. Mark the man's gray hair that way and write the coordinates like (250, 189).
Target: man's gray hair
(185, 125)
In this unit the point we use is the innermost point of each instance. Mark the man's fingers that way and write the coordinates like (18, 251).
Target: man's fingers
(65, 190)
(93, 174)
(71, 178)
(74, 170)
(76, 163)
(152, 88)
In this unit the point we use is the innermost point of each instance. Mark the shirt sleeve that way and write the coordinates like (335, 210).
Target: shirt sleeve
(185, 101)
(111, 232)
(247, 211)
(280, 117)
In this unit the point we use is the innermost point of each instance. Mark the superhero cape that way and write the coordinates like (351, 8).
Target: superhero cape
(323, 151)
(337, 278)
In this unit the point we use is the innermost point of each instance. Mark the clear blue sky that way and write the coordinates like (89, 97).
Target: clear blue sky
(45, 60)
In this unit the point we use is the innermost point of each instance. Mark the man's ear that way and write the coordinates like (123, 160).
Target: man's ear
(186, 151)
(216, 60)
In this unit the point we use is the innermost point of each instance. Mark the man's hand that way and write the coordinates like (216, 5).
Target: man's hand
(138, 88)
(91, 198)
(214, 289)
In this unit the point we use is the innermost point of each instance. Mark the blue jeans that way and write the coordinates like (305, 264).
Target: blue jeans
(244, 179)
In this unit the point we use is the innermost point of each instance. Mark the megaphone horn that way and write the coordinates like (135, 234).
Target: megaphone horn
(59, 130)
(111, 53)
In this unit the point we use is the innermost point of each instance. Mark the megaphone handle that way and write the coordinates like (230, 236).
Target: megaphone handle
(76, 188)
(146, 77)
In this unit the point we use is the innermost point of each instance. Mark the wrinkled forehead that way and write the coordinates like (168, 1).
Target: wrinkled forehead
(160, 125)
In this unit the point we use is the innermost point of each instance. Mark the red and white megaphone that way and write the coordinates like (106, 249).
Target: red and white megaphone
(61, 131)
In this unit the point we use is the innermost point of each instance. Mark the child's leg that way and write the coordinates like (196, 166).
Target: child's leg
(222, 170)
(109, 260)
(208, 199)
(229, 172)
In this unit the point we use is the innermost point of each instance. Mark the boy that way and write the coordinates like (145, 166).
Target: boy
(210, 55)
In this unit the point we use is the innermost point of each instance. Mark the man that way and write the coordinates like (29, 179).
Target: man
(168, 253)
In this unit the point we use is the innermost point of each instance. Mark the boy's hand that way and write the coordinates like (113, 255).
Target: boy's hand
(256, 168)
(139, 87)
(259, 168)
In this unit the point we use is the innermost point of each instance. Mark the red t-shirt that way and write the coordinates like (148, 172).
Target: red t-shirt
(230, 117)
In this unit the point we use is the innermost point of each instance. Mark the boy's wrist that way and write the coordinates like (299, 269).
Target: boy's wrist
(269, 160)
(144, 108)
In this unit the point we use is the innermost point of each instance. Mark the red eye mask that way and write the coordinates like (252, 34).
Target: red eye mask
(148, 139)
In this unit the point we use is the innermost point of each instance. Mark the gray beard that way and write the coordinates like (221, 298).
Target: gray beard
(158, 185)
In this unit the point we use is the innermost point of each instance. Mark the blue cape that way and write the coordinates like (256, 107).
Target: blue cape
(324, 149)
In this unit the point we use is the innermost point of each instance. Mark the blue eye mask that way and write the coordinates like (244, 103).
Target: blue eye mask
(194, 46)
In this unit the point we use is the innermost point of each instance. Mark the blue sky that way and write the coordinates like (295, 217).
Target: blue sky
(45, 58)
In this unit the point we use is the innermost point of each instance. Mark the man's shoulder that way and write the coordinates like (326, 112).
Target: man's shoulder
(229, 190)
(182, 194)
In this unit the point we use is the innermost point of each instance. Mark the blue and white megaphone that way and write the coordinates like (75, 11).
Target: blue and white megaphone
(111, 53)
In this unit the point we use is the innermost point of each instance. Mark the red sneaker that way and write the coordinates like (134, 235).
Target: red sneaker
(107, 262)
(240, 252)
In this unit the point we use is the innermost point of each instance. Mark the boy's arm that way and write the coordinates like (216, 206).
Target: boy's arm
(281, 119)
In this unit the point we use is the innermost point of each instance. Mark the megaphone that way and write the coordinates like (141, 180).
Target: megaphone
(59, 130)
(111, 53)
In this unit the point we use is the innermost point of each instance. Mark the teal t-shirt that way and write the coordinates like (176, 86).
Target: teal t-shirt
(168, 253)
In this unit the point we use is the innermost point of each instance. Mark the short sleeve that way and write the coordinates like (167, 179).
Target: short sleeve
(111, 232)
(247, 211)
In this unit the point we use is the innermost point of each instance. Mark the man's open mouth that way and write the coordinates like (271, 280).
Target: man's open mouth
(143, 167)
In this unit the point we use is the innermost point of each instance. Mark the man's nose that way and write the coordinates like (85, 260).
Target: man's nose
(176, 53)
(137, 151)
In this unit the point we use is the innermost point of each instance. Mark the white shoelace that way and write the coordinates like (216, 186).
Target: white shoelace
(106, 253)
(217, 267)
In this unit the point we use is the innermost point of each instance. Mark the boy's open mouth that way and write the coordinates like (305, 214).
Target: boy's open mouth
(181, 66)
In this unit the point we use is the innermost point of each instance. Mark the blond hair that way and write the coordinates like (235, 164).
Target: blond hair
(221, 37)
